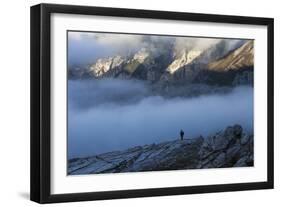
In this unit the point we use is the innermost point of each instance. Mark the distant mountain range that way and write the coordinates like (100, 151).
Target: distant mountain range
(220, 64)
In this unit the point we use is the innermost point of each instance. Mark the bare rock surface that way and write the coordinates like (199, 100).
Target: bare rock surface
(228, 148)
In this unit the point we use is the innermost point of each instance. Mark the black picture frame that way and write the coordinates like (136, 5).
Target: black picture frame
(40, 184)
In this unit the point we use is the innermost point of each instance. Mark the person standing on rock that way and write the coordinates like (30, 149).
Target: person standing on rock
(181, 134)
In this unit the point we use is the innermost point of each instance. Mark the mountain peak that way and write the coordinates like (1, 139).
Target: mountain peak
(141, 55)
(239, 58)
(186, 58)
(104, 65)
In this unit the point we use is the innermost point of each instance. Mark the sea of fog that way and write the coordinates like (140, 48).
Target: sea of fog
(109, 115)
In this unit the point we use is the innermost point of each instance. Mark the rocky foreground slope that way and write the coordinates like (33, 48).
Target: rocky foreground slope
(228, 148)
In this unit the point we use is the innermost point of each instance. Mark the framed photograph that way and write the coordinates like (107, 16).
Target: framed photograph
(133, 103)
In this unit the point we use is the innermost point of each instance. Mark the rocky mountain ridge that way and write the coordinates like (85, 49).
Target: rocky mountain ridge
(231, 147)
(239, 58)
(165, 66)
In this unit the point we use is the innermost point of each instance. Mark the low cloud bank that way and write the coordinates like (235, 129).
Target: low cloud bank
(99, 121)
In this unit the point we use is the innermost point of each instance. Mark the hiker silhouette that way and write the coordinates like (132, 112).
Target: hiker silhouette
(181, 134)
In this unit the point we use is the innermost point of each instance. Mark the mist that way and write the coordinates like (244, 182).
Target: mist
(87, 47)
(108, 115)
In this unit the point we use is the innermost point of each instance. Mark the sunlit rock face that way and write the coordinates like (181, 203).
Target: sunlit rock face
(239, 58)
(103, 66)
(231, 147)
(186, 58)
(141, 55)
